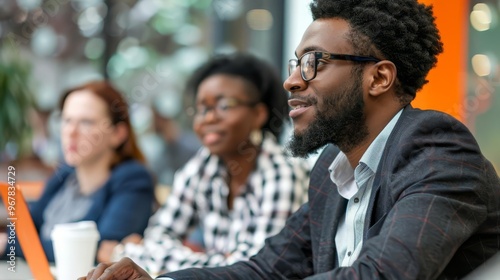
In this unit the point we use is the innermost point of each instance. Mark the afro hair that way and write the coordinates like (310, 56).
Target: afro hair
(402, 31)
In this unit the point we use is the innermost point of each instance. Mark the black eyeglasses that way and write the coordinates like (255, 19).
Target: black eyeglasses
(309, 62)
(221, 108)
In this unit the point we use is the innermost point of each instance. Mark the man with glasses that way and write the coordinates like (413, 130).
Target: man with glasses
(402, 193)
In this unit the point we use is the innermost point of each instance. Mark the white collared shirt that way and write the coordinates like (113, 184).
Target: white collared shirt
(355, 186)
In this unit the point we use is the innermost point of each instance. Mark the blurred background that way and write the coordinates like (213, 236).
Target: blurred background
(148, 48)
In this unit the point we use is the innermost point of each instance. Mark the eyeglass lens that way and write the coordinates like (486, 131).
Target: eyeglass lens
(307, 66)
(220, 108)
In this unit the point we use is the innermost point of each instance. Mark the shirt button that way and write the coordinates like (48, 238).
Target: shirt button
(349, 253)
(356, 200)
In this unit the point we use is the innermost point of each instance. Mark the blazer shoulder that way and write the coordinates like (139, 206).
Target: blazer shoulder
(58, 177)
(131, 174)
(412, 117)
(416, 123)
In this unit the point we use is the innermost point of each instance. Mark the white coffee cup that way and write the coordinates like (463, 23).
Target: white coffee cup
(75, 246)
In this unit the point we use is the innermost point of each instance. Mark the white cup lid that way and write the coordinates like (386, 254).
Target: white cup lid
(76, 230)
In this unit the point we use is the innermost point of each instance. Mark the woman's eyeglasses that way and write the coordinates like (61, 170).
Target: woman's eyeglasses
(308, 62)
(221, 108)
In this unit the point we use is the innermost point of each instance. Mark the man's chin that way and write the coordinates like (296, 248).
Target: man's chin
(298, 146)
(298, 130)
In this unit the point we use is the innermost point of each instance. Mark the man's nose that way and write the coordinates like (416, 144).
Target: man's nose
(294, 82)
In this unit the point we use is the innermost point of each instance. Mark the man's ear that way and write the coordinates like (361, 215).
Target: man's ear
(119, 135)
(382, 77)
(262, 114)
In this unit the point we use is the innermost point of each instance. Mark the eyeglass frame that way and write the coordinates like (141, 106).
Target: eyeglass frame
(326, 55)
(198, 116)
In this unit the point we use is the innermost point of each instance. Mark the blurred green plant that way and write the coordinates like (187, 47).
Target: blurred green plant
(16, 101)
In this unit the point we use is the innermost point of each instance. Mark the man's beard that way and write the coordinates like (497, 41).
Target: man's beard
(341, 121)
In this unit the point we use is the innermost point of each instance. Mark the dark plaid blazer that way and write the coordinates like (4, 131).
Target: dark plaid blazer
(434, 213)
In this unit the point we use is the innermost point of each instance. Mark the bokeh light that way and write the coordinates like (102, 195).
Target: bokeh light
(28, 5)
(94, 48)
(259, 19)
(482, 65)
(481, 17)
(44, 41)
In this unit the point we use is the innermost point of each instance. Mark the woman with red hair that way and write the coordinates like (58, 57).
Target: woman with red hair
(104, 178)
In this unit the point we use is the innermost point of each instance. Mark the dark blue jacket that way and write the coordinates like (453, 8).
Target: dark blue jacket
(121, 207)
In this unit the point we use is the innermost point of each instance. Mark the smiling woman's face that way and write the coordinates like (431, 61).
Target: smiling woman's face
(226, 114)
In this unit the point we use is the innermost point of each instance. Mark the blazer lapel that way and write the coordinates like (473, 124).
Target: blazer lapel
(334, 208)
(376, 213)
(372, 215)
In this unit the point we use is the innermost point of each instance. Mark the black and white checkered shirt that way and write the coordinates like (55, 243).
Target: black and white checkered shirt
(199, 196)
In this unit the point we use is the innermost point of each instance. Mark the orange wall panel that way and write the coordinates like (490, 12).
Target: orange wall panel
(447, 82)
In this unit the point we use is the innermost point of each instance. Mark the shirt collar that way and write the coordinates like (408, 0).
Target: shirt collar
(373, 154)
(341, 171)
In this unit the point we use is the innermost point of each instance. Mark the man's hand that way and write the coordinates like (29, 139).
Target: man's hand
(125, 269)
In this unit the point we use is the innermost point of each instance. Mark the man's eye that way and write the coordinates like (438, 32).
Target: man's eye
(321, 62)
(309, 64)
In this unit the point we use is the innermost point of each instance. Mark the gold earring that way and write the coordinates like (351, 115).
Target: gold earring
(256, 137)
